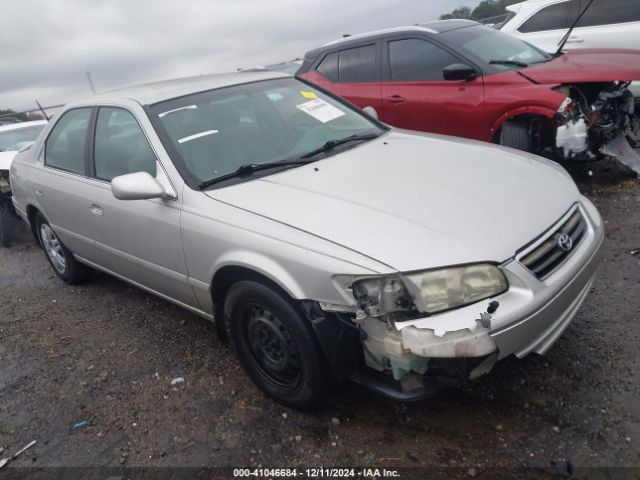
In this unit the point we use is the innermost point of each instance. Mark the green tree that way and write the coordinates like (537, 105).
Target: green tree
(12, 113)
(461, 12)
(485, 9)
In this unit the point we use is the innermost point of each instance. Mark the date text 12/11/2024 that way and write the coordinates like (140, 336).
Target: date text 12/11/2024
(315, 473)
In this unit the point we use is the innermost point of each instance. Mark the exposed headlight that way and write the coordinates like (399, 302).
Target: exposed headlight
(454, 287)
(377, 296)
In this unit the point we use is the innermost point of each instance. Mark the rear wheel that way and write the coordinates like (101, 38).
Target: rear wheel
(6, 224)
(275, 344)
(60, 257)
(516, 134)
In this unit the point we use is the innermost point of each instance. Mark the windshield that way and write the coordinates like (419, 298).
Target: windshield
(17, 139)
(496, 48)
(217, 132)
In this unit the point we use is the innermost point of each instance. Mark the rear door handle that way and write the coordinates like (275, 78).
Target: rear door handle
(95, 209)
(396, 99)
(575, 40)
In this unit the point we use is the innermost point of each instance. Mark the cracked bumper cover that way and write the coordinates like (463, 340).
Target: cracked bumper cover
(533, 313)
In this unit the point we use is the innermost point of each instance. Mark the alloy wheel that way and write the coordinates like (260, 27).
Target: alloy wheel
(53, 248)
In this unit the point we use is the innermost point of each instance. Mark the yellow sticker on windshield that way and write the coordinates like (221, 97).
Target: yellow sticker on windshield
(308, 94)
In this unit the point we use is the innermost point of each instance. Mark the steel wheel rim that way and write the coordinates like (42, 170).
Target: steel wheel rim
(271, 347)
(53, 248)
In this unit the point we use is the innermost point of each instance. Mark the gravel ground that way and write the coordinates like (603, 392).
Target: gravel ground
(106, 353)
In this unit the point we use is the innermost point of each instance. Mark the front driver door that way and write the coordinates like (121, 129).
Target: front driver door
(137, 239)
(415, 95)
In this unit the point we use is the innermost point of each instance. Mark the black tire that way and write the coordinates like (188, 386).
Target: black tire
(6, 225)
(71, 271)
(275, 344)
(516, 134)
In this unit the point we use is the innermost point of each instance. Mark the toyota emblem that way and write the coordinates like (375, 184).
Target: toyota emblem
(565, 242)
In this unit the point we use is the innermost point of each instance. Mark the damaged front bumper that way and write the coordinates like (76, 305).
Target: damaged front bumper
(532, 315)
(610, 126)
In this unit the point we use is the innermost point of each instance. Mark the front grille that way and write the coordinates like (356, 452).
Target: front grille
(546, 257)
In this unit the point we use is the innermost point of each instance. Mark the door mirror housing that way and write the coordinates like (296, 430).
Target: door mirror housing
(137, 186)
(371, 112)
(460, 71)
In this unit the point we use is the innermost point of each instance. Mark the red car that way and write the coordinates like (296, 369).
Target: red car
(460, 78)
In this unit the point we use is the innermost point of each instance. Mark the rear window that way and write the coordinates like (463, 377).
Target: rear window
(601, 12)
(329, 67)
(553, 17)
(66, 144)
(358, 64)
(606, 12)
(14, 140)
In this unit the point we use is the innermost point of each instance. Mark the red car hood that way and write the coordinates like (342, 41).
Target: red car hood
(597, 65)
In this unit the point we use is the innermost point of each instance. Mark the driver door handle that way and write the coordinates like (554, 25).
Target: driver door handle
(575, 40)
(396, 99)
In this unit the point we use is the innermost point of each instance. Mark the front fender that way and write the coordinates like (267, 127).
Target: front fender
(519, 111)
(263, 265)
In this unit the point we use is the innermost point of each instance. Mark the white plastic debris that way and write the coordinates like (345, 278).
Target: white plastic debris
(176, 381)
(4, 461)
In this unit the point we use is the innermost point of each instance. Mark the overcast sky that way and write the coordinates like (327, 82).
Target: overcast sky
(46, 46)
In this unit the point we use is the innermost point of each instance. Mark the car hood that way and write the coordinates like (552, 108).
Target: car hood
(588, 65)
(5, 159)
(416, 201)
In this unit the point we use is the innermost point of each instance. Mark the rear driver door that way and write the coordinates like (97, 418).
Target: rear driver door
(137, 239)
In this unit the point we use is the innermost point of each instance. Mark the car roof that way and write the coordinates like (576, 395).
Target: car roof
(374, 33)
(436, 27)
(155, 92)
(529, 5)
(20, 125)
(442, 26)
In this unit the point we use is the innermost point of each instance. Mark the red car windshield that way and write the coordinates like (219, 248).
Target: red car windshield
(498, 49)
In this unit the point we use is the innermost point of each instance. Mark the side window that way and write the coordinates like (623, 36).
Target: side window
(65, 146)
(607, 12)
(553, 17)
(414, 59)
(329, 67)
(121, 146)
(358, 64)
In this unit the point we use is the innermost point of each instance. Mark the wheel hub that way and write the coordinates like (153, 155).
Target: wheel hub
(53, 248)
(272, 346)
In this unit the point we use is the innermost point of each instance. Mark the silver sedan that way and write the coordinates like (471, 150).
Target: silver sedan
(326, 245)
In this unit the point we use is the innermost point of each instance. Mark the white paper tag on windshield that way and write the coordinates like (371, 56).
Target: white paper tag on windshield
(321, 110)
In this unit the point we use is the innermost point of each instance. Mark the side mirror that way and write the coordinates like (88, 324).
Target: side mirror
(459, 71)
(371, 112)
(137, 186)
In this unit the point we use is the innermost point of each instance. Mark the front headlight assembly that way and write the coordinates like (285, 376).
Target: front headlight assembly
(431, 292)
(437, 291)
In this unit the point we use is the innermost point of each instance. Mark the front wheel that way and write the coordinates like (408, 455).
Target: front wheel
(516, 134)
(60, 257)
(275, 344)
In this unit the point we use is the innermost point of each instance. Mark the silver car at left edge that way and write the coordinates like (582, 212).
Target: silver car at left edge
(327, 246)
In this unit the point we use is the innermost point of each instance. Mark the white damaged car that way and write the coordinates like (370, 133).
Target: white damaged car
(13, 138)
(325, 245)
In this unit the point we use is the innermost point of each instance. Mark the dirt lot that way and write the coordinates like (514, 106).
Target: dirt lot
(106, 353)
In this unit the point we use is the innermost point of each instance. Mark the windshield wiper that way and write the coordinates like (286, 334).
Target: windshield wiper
(250, 168)
(331, 144)
(515, 63)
